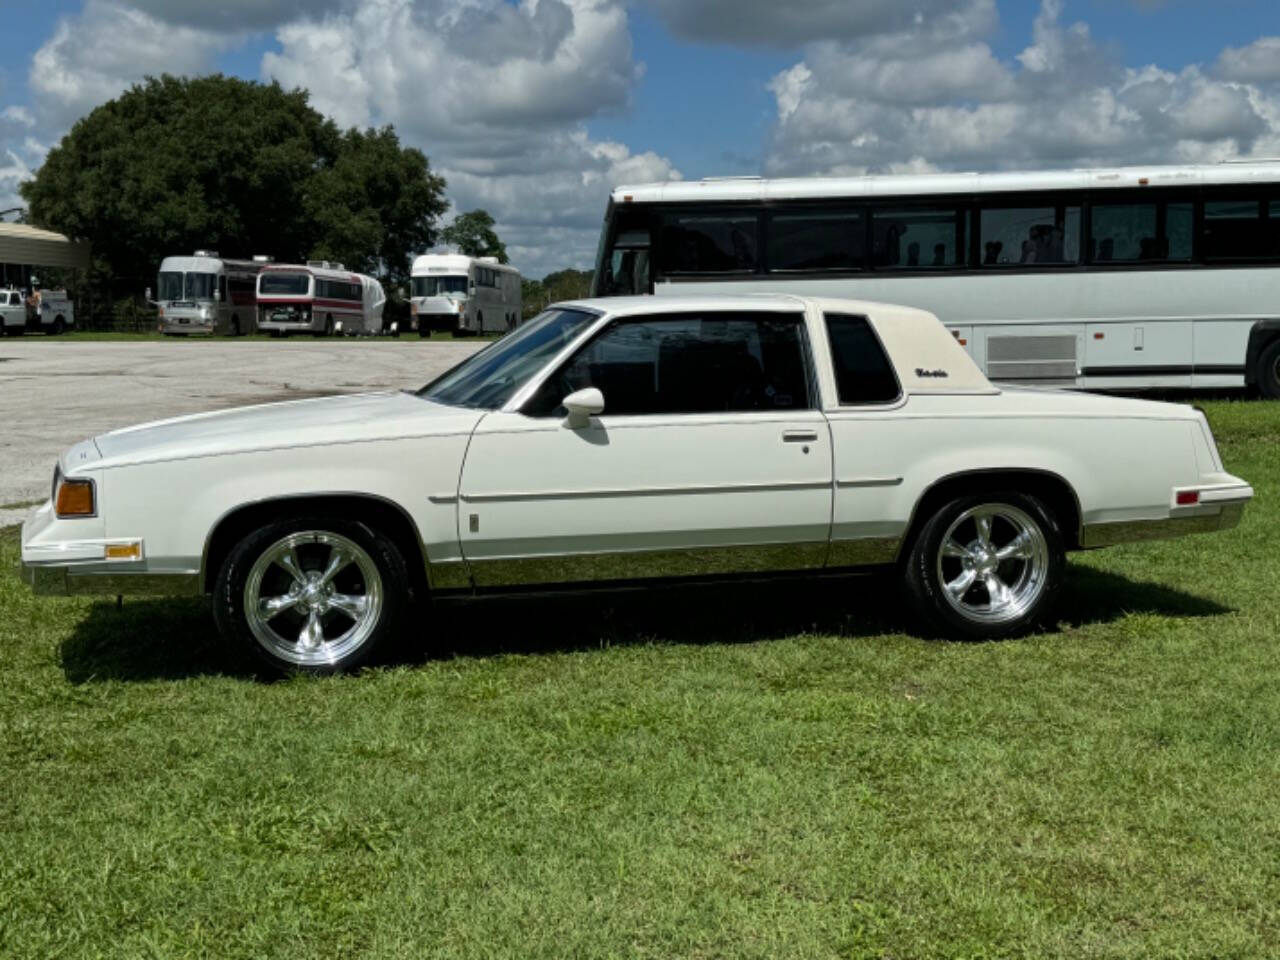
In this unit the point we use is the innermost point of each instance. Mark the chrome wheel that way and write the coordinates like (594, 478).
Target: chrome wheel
(993, 563)
(312, 598)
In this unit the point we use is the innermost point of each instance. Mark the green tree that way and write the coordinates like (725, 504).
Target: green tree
(376, 205)
(473, 234)
(174, 164)
(567, 285)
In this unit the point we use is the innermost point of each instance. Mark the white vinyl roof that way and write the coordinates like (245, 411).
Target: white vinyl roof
(24, 244)
(800, 188)
(927, 357)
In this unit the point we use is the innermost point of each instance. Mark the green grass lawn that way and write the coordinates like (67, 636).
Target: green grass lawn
(781, 771)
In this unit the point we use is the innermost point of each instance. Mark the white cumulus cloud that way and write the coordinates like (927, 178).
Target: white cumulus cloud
(497, 94)
(934, 93)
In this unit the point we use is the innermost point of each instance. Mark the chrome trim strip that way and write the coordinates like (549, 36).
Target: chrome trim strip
(869, 482)
(449, 575)
(648, 564)
(864, 552)
(442, 497)
(51, 581)
(646, 491)
(1137, 531)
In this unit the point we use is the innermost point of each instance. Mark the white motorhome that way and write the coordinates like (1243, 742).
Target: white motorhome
(1123, 278)
(205, 293)
(47, 311)
(464, 295)
(319, 297)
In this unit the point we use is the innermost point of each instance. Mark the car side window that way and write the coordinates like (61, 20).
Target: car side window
(688, 363)
(863, 372)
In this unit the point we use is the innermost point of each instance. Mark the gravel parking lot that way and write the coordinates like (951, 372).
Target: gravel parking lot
(56, 392)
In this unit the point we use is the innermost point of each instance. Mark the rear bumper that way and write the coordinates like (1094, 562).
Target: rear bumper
(1221, 507)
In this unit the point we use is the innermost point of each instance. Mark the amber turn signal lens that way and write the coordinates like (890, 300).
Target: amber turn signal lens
(124, 551)
(75, 498)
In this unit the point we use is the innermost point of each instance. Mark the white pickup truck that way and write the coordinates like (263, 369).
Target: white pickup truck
(54, 314)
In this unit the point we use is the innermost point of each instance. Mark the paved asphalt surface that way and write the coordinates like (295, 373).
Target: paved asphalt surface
(54, 392)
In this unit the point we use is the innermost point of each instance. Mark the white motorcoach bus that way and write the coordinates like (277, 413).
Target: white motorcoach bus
(320, 298)
(1125, 278)
(204, 293)
(464, 295)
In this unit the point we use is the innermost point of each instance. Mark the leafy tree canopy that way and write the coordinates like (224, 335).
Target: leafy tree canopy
(473, 234)
(553, 288)
(174, 164)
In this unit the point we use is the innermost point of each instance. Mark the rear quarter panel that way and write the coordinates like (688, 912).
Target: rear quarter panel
(1119, 467)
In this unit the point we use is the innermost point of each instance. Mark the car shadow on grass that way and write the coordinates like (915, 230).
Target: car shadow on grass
(176, 639)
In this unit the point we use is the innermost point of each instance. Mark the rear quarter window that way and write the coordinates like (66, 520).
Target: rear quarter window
(863, 372)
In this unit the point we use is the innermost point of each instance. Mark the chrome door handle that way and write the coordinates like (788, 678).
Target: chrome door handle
(799, 436)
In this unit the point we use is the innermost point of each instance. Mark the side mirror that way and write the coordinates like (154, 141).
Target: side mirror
(582, 406)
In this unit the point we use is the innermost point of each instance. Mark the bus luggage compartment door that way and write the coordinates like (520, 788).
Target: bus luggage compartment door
(1143, 353)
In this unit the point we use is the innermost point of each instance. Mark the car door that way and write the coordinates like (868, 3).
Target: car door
(710, 457)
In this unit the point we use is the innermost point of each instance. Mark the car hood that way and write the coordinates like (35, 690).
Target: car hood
(328, 420)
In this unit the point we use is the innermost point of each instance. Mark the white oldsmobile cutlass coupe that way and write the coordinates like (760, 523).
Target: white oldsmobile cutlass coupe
(623, 440)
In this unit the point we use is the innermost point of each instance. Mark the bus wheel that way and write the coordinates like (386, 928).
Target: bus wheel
(59, 325)
(424, 329)
(235, 326)
(1268, 371)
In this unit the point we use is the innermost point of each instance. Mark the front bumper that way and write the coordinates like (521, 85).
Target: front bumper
(48, 580)
(54, 564)
(186, 325)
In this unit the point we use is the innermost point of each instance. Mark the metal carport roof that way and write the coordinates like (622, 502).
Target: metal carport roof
(25, 244)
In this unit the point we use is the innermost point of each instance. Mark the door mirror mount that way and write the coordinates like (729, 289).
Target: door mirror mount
(582, 406)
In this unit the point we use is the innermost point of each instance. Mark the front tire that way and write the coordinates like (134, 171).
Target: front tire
(987, 566)
(314, 595)
(1268, 371)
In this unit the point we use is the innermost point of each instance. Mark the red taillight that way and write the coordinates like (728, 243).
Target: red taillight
(1187, 498)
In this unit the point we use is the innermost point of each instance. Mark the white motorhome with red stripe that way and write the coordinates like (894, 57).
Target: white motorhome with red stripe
(320, 298)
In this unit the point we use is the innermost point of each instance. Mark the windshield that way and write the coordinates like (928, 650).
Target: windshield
(275, 282)
(438, 286)
(199, 286)
(491, 377)
(169, 285)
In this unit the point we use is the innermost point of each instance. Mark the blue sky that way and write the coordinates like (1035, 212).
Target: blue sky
(534, 109)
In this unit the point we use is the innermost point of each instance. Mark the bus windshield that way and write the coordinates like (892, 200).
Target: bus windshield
(199, 286)
(169, 285)
(438, 286)
(490, 378)
(275, 282)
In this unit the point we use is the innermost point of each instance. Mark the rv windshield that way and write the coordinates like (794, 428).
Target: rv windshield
(169, 285)
(438, 286)
(491, 377)
(199, 286)
(289, 283)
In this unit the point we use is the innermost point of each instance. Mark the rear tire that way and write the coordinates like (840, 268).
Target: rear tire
(59, 326)
(313, 595)
(1267, 372)
(986, 566)
(235, 326)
